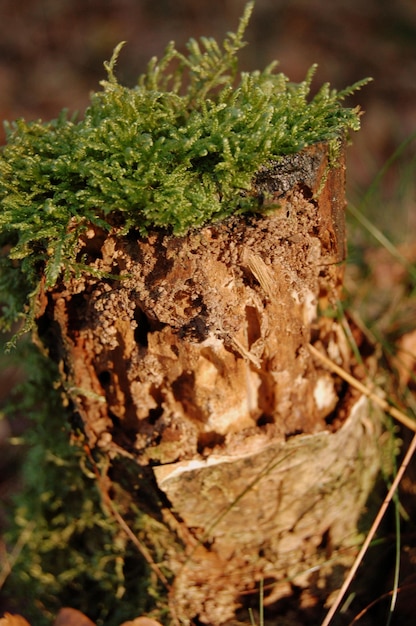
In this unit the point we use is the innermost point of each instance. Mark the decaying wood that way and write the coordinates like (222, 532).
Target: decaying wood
(191, 357)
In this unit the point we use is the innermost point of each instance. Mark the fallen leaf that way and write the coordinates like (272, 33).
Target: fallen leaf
(142, 621)
(13, 620)
(71, 617)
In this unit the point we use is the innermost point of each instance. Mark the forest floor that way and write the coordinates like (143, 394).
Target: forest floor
(51, 57)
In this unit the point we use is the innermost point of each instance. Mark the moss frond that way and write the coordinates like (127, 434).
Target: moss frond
(177, 151)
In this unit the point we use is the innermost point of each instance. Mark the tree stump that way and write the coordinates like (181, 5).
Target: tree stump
(189, 355)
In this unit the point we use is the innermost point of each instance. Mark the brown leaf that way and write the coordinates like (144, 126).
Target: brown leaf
(72, 617)
(13, 620)
(142, 621)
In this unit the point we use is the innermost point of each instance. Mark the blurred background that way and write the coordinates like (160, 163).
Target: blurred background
(52, 53)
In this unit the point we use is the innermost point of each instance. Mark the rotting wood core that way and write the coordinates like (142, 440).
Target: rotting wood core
(205, 336)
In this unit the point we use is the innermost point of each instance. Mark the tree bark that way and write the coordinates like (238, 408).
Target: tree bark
(189, 355)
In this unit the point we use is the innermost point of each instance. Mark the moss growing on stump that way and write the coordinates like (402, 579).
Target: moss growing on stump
(179, 150)
(176, 249)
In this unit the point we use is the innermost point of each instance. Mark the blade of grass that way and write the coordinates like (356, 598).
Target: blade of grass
(397, 559)
(9, 560)
(261, 607)
(261, 603)
(410, 452)
(386, 166)
(358, 212)
(379, 599)
(383, 404)
(382, 239)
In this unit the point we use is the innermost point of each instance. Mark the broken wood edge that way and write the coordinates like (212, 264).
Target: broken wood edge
(381, 402)
(287, 449)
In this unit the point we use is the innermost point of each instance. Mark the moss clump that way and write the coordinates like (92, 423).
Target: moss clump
(177, 151)
(73, 552)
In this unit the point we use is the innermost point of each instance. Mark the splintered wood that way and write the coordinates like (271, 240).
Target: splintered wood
(193, 360)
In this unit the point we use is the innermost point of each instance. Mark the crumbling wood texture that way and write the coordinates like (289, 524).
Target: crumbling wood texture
(190, 356)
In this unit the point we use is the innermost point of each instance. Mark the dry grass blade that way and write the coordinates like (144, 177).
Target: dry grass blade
(7, 561)
(383, 404)
(403, 419)
(371, 533)
(102, 484)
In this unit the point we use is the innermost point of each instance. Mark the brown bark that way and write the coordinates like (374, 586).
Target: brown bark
(193, 360)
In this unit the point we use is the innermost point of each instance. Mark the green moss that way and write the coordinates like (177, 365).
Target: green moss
(178, 150)
(73, 553)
